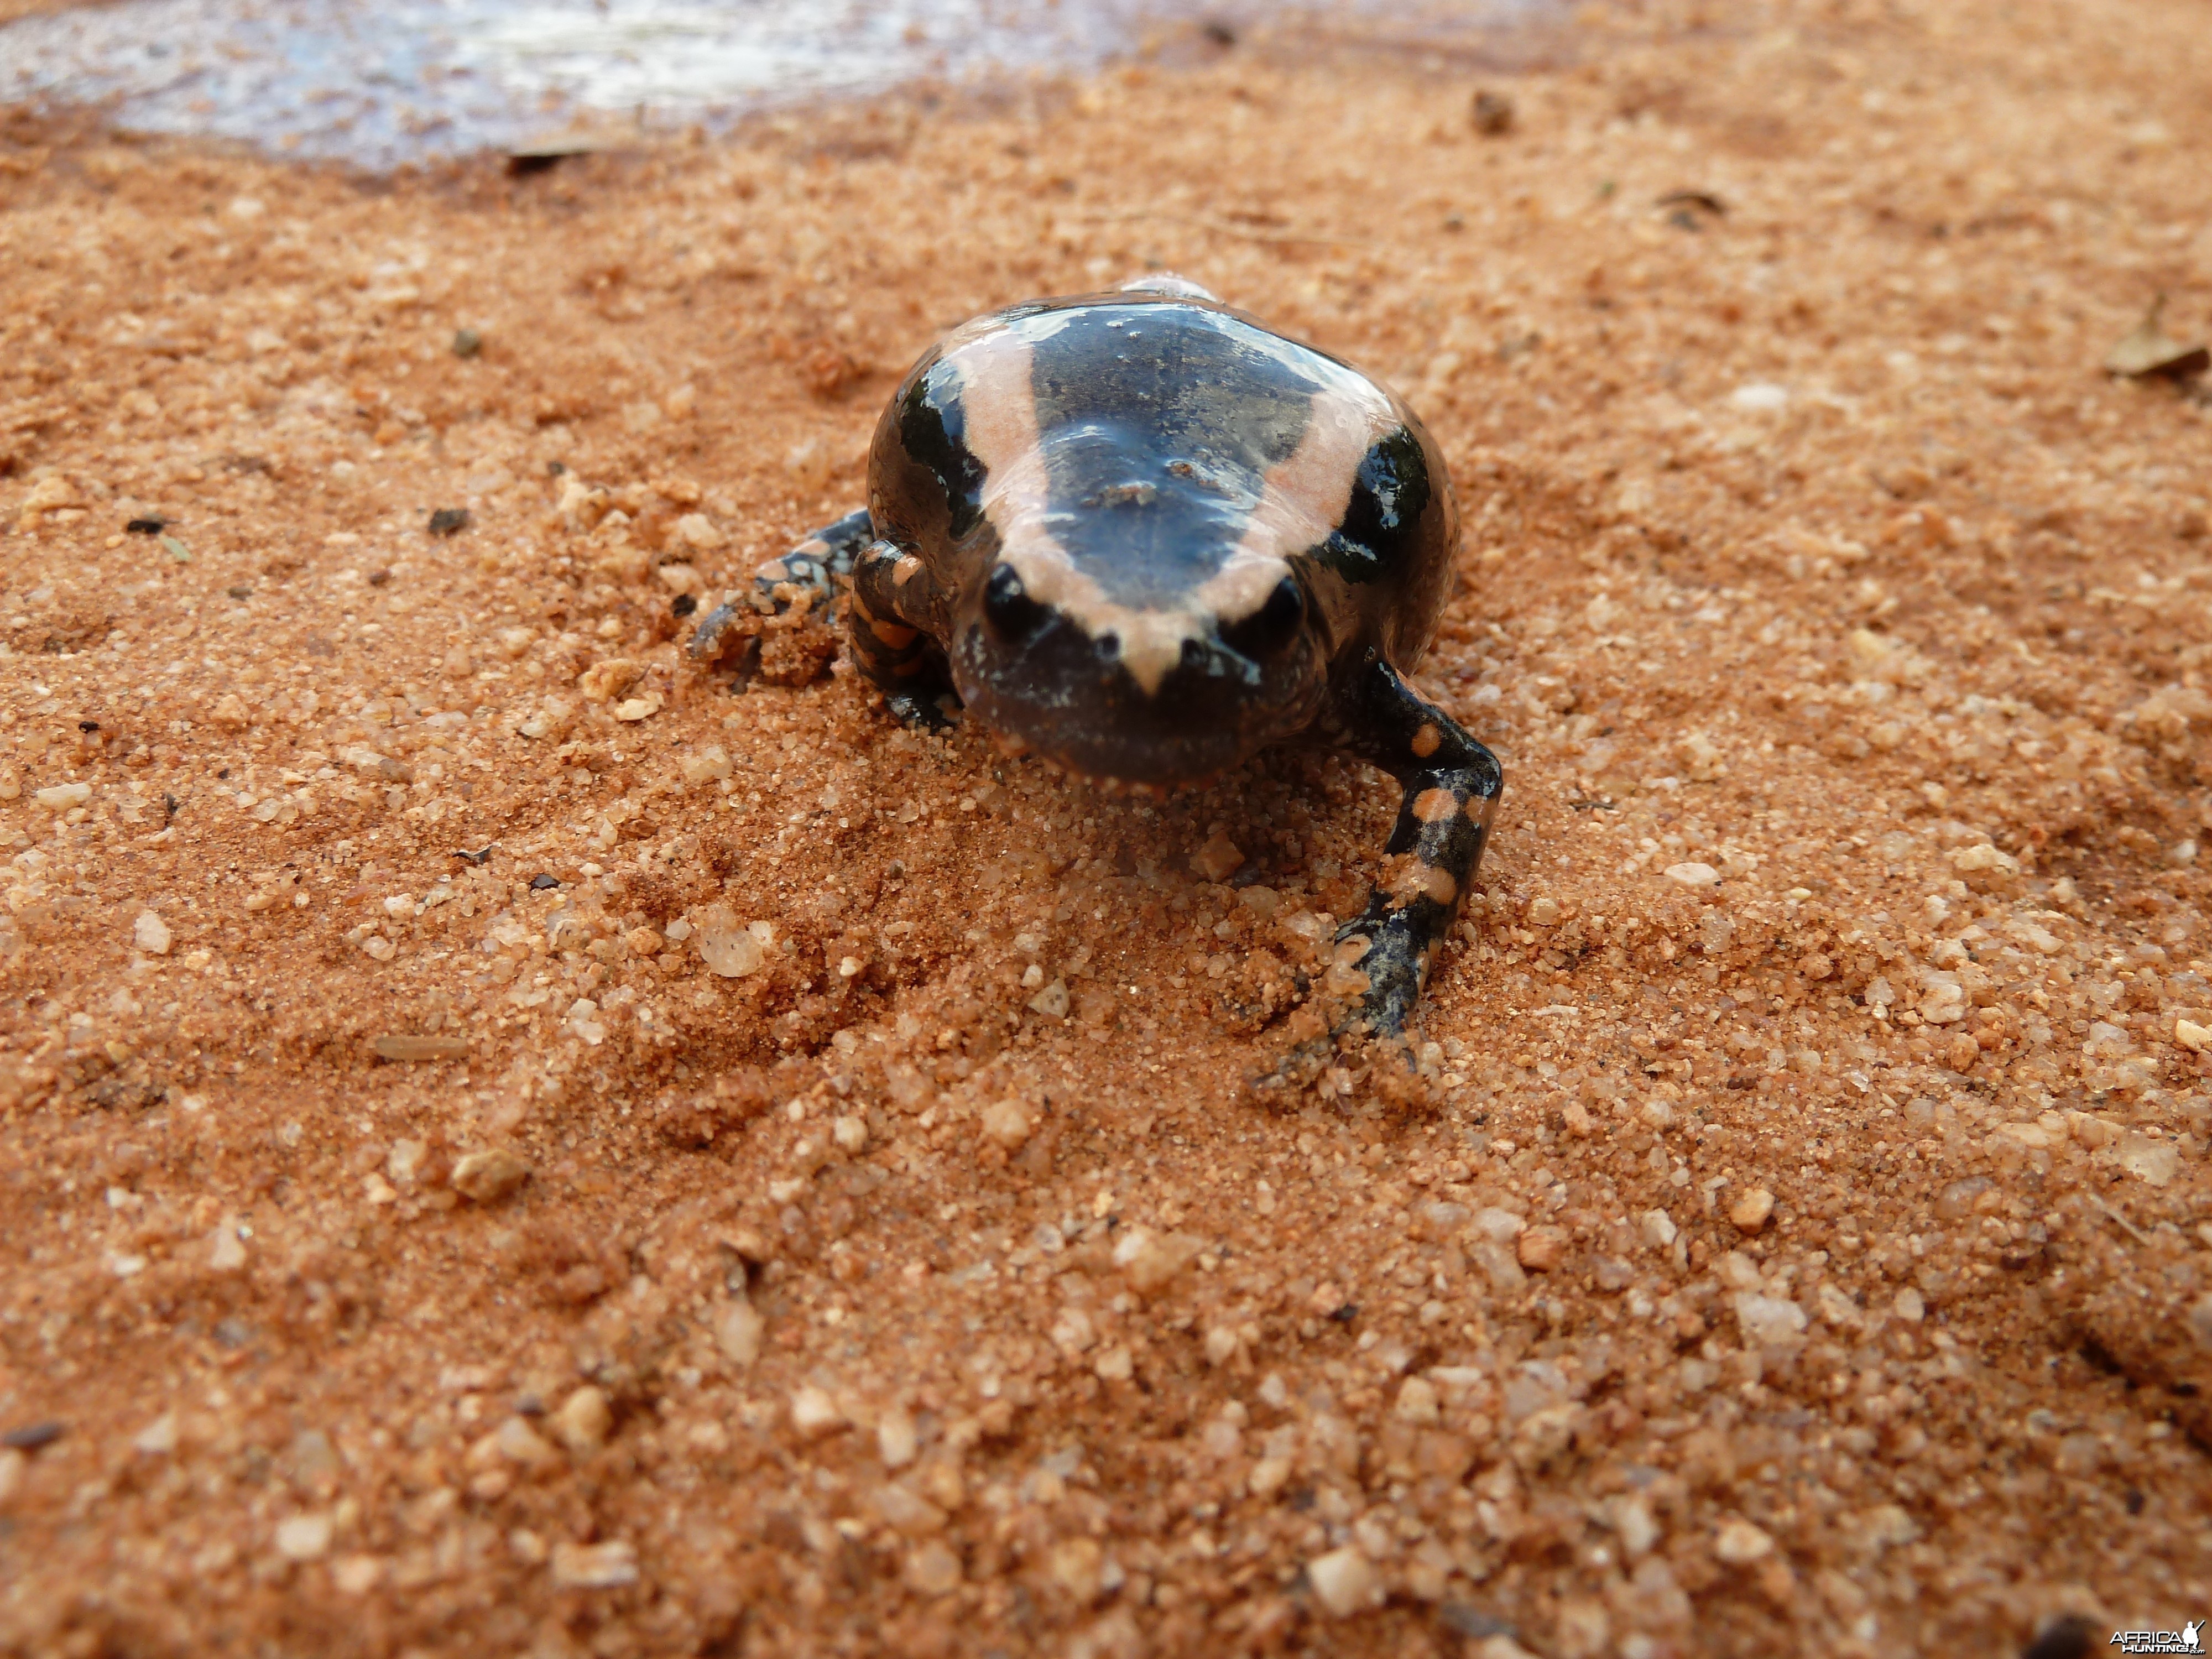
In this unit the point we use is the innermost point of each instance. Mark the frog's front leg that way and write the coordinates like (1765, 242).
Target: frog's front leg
(1452, 784)
(805, 579)
(893, 629)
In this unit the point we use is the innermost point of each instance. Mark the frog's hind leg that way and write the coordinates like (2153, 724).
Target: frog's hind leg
(890, 630)
(1452, 784)
(805, 579)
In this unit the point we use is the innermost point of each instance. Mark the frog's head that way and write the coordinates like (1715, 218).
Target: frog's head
(1160, 693)
(1161, 526)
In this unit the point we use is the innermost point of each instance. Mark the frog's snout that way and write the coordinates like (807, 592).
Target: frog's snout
(1154, 696)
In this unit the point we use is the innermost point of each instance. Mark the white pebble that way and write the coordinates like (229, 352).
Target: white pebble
(1693, 875)
(1345, 1581)
(151, 934)
(1739, 1543)
(611, 1566)
(737, 1333)
(304, 1537)
(813, 1413)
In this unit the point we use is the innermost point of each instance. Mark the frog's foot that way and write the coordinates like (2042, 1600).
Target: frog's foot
(1452, 783)
(771, 628)
(1346, 1065)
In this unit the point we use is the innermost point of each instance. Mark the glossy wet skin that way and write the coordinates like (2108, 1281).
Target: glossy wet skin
(1146, 531)
(1146, 536)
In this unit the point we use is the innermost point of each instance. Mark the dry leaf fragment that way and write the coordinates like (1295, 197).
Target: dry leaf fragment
(2147, 351)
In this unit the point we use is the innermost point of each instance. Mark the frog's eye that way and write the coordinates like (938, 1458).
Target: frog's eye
(1266, 631)
(1008, 610)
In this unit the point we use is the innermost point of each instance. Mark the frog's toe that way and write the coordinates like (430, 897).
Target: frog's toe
(916, 708)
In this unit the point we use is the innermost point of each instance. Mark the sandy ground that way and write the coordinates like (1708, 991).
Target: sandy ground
(1804, 1239)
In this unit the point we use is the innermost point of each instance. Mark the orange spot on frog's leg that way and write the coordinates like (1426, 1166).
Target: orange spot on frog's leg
(1427, 741)
(1435, 806)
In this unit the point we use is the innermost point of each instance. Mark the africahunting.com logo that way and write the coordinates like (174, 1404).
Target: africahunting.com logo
(2190, 1639)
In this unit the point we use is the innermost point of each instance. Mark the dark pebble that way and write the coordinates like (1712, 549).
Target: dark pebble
(30, 1436)
(467, 342)
(88, 726)
(378, 577)
(449, 521)
(683, 605)
(147, 526)
(541, 881)
(1492, 114)
(1346, 1314)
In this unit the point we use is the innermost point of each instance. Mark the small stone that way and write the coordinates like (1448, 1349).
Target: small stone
(708, 765)
(1750, 1212)
(61, 796)
(158, 1438)
(1417, 1402)
(1658, 1228)
(696, 530)
(1739, 1543)
(1345, 1581)
(521, 1444)
(1219, 859)
(2148, 1159)
(1501, 1265)
(449, 520)
(1007, 1123)
(850, 1131)
(1152, 1262)
(727, 946)
(52, 492)
(603, 682)
(467, 342)
(1693, 875)
(1544, 1436)
(1909, 1306)
(908, 1513)
(1052, 1001)
(1770, 1320)
(638, 708)
(226, 1251)
(612, 1565)
(357, 1575)
(1543, 912)
(2191, 1036)
(1540, 1248)
(814, 1413)
(1492, 113)
(1077, 1566)
(304, 1537)
(897, 1439)
(151, 934)
(584, 1421)
(934, 1568)
(737, 1333)
(489, 1176)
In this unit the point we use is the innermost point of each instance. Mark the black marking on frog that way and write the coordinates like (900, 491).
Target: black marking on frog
(1146, 535)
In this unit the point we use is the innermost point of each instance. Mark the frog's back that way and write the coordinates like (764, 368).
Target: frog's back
(1139, 455)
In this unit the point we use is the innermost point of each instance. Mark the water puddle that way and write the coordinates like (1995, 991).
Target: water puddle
(408, 79)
